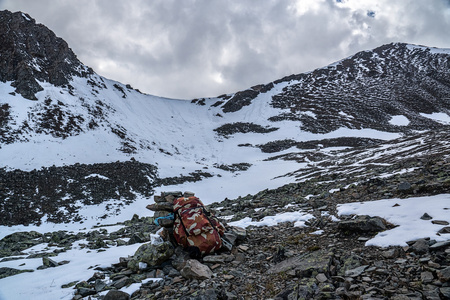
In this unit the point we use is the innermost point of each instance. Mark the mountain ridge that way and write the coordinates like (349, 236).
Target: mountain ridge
(31, 53)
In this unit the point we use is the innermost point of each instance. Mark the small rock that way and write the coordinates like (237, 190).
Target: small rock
(178, 279)
(6, 272)
(404, 186)
(426, 277)
(420, 246)
(391, 253)
(363, 224)
(99, 285)
(48, 262)
(444, 230)
(426, 216)
(440, 222)
(356, 272)
(445, 291)
(243, 248)
(231, 295)
(440, 245)
(304, 265)
(116, 295)
(86, 291)
(444, 275)
(321, 277)
(434, 265)
(240, 232)
(124, 281)
(193, 269)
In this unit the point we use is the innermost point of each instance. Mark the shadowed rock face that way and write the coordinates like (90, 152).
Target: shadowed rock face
(31, 52)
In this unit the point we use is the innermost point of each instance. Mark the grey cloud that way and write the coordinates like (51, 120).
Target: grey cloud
(180, 48)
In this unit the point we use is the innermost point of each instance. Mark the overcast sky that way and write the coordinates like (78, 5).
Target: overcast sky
(199, 48)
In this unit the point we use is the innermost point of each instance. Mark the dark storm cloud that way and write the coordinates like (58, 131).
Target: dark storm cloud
(197, 48)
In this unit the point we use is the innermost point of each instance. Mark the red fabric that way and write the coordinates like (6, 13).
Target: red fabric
(193, 228)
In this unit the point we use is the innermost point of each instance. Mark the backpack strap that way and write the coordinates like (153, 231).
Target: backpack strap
(181, 221)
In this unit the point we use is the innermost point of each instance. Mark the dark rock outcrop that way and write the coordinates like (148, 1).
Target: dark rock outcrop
(31, 52)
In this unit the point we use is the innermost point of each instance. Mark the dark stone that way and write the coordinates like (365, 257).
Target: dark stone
(124, 281)
(48, 262)
(404, 186)
(440, 222)
(99, 285)
(116, 295)
(86, 291)
(363, 224)
(445, 291)
(6, 272)
(444, 230)
(420, 246)
(18, 241)
(444, 274)
(440, 245)
(426, 216)
(306, 265)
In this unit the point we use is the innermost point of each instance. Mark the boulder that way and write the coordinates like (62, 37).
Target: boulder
(307, 265)
(444, 230)
(6, 272)
(364, 224)
(48, 262)
(152, 255)
(116, 295)
(440, 245)
(426, 217)
(193, 269)
(404, 186)
(444, 275)
(420, 246)
(162, 206)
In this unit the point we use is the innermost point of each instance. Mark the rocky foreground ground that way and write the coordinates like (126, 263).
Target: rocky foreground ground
(270, 262)
(327, 259)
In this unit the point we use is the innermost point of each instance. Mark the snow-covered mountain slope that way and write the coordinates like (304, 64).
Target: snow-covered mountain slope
(57, 115)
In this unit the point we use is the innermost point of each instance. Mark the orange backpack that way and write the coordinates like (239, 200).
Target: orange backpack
(195, 228)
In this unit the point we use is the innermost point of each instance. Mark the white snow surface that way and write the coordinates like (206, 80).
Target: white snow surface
(442, 118)
(399, 120)
(299, 217)
(46, 284)
(406, 215)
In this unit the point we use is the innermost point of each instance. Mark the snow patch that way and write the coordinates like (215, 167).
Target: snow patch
(97, 176)
(299, 217)
(399, 120)
(406, 215)
(442, 118)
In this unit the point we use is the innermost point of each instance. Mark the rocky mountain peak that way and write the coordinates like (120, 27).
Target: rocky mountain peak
(31, 52)
(367, 89)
